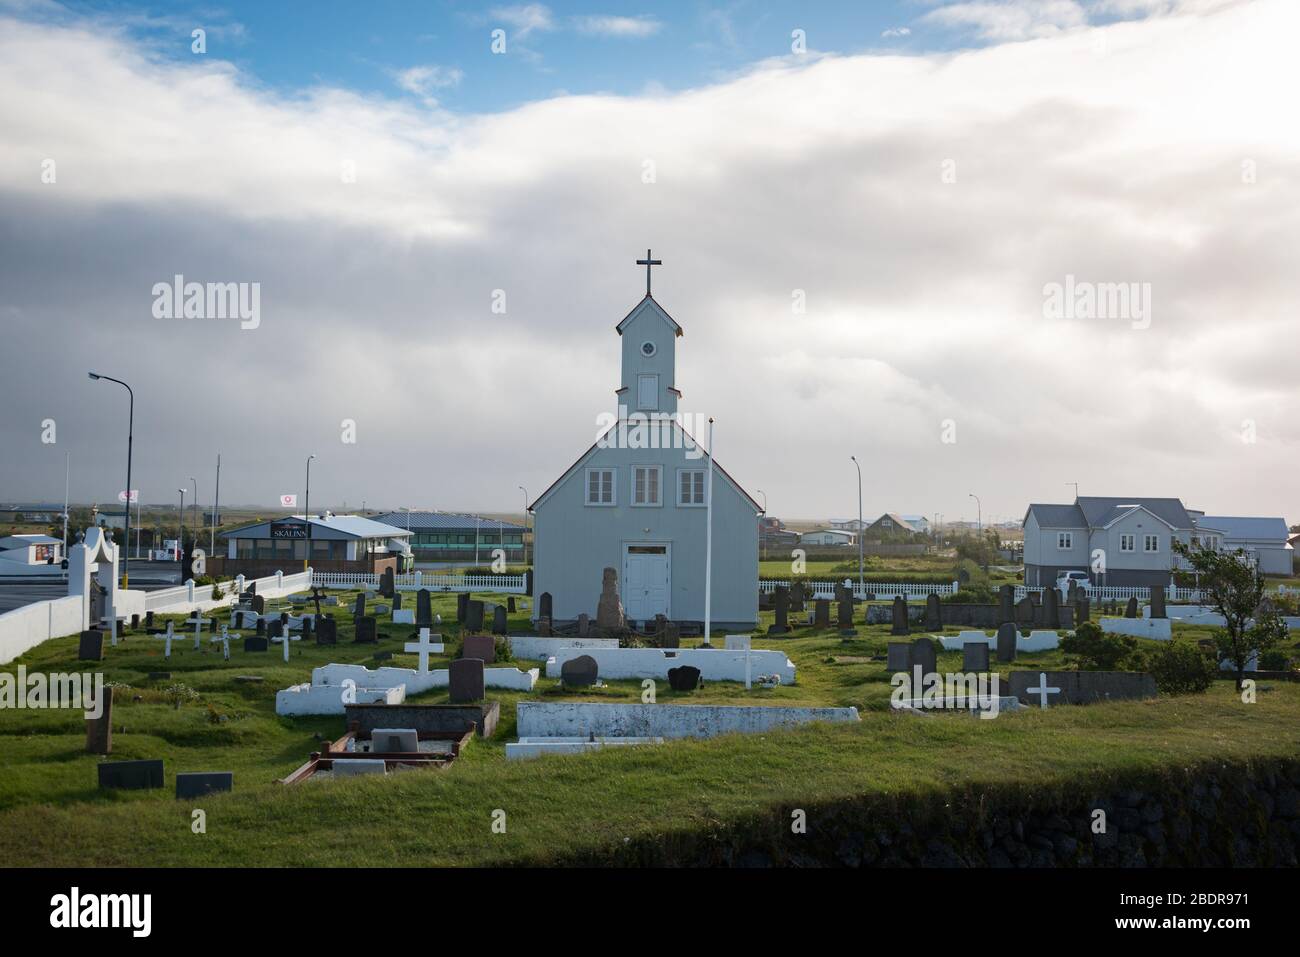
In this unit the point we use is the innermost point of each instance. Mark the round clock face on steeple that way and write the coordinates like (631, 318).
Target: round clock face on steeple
(647, 349)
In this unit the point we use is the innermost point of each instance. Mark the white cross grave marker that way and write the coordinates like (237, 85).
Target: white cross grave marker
(423, 647)
(198, 624)
(167, 638)
(285, 639)
(224, 638)
(1042, 690)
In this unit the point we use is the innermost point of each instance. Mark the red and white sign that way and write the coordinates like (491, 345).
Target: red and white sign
(133, 497)
(288, 501)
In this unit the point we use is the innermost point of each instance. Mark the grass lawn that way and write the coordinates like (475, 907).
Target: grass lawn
(51, 812)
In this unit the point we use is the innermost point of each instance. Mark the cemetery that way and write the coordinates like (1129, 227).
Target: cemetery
(331, 694)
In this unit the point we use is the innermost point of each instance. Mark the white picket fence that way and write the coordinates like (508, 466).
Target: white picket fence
(827, 589)
(1122, 592)
(414, 581)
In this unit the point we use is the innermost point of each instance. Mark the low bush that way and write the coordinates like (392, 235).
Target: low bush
(1181, 668)
(1095, 650)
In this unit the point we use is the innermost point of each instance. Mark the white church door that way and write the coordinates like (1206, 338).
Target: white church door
(645, 581)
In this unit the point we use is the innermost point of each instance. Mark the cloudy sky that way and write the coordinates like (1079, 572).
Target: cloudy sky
(861, 217)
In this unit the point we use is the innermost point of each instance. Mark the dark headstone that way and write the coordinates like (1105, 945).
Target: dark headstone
(99, 731)
(510, 604)
(975, 656)
(499, 620)
(465, 680)
(474, 616)
(91, 647)
(255, 643)
(1051, 608)
(899, 656)
(148, 619)
(1008, 635)
(462, 606)
(1082, 609)
(275, 629)
(1131, 609)
(131, 775)
(844, 611)
(359, 606)
(544, 627)
(1006, 603)
(584, 625)
(579, 672)
(544, 605)
(397, 601)
(366, 633)
(822, 613)
(387, 586)
(423, 609)
(308, 626)
(684, 678)
(193, 784)
(1081, 687)
(1158, 601)
(327, 632)
(781, 602)
(1025, 610)
(260, 627)
(259, 604)
(671, 636)
(898, 626)
(135, 622)
(482, 647)
(933, 612)
(923, 654)
(796, 596)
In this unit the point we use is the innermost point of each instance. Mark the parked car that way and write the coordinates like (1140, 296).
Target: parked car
(1079, 578)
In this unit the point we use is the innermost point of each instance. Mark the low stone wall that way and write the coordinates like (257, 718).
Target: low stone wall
(548, 719)
(457, 718)
(1208, 815)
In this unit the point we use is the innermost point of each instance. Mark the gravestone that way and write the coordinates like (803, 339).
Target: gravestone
(898, 625)
(544, 605)
(423, 609)
(316, 597)
(462, 606)
(684, 678)
(822, 613)
(1051, 609)
(131, 775)
(465, 680)
(275, 630)
(482, 647)
(584, 625)
(193, 784)
(781, 603)
(256, 643)
(91, 647)
(796, 596)
(148, 619)
(1006, 603)
(394, 741)
(579, 672)
(1007, 637)
(327, 632)
(1082, 609)
(387, 586)
(898, 656)
(933, 612)
(1158, 601)
(258, 604)
(135, 622)
(474, 616)
(499, 620)
(544, 627)
(397, 601)
(99, 731)
(923, 654)
(260, 627)
(366, 632)
(975, 656)
(671, 636)
(844, 612)
(609, 610)
(1131, 609)
(308, 626)
(1025, 611)
(359, 606)
(510, 604)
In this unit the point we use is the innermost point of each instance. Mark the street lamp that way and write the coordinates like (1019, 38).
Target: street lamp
(525, 542)
(130, 438)
(979, 521)
(306, 515)
(180, 542)
(861, 587)
(762, 537)
(198, 524)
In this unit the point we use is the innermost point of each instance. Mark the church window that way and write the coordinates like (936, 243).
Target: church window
(648, 348)
(645, 485)
(647, 392)
(600, 486)
(690, 487)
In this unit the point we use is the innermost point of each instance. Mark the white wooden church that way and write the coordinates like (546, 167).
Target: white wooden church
(636, 501)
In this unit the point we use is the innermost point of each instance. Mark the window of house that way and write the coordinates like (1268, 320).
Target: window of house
(645, 485)
(1064, 539)
(690, 487)
(600, 486)
(1150, 543)
(1127, 543)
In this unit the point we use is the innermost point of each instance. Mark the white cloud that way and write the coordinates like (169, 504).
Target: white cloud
(525, 18)
(612, 26)
(1010, 19)
(1113, 162)
(424, 80)
(896, 32)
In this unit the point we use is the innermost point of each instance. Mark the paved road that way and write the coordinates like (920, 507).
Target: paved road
(144, 576)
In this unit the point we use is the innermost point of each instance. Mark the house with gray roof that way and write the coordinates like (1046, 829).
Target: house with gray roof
(329, 543)
(1129, 541)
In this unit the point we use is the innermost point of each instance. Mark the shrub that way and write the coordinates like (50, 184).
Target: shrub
(971, 595)
(1094, 650)
(1181, 668)
(1275, 660)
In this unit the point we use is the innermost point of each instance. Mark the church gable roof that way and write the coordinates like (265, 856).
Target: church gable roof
(648, 303)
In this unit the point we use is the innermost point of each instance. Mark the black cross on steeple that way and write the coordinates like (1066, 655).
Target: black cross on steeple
(648, 262)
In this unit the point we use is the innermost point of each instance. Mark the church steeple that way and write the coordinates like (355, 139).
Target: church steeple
(649, 338)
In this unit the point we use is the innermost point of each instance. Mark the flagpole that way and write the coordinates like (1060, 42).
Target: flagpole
(708, 544)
